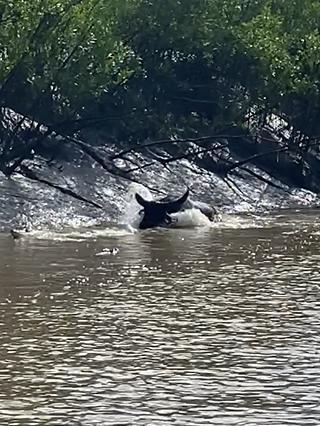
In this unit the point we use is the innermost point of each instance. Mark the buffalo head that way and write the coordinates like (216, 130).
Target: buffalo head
(157, 213)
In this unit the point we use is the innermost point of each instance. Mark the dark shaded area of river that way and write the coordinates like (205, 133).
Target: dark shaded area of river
(180, 327)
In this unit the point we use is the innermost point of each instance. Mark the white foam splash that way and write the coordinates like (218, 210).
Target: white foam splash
(131, 217)
(238, 222)
(190, 218)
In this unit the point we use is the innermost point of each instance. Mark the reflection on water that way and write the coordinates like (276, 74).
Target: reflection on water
(181, 327)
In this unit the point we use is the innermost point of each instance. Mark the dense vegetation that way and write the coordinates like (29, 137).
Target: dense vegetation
(217, 73)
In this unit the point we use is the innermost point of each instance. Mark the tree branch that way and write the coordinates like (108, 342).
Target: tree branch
(138, 148)
(27, 172)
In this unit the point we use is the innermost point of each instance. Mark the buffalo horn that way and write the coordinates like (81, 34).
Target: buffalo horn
(170, 207)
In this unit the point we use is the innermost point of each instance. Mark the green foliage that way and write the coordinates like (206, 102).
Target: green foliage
(62, 53)
(167, 67)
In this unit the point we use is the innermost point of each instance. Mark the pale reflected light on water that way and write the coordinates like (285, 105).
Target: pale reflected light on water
(180, 327)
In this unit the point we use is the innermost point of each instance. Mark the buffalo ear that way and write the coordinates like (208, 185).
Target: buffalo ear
(141, 200)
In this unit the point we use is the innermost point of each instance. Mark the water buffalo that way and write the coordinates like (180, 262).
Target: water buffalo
(157, 213)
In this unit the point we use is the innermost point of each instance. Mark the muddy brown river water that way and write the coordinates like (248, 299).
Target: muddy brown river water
(179, 327)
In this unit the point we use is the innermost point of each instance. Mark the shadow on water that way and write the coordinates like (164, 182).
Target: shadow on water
(182, 327)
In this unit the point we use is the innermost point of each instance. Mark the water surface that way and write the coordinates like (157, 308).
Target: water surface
(180, 327)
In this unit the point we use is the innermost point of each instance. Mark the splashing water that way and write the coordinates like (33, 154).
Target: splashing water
(191, 218)
(131, 217)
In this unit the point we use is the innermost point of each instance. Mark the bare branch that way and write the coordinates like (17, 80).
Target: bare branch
(161, 142)
(27, 172)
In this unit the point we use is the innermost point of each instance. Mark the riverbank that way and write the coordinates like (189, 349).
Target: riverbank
(33, 204)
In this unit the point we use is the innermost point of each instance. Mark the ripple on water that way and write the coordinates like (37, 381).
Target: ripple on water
(180, 328)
